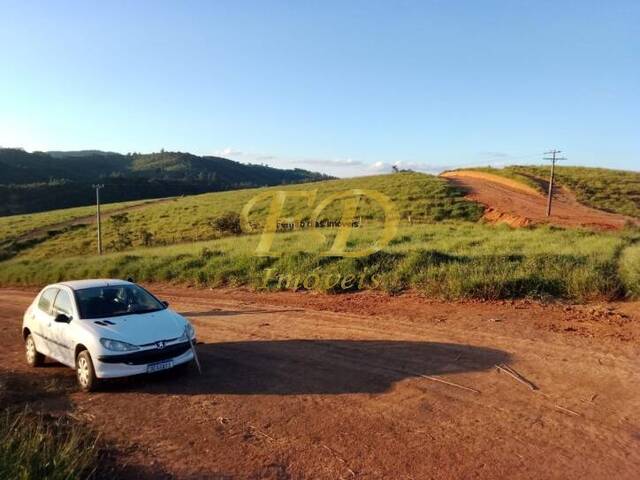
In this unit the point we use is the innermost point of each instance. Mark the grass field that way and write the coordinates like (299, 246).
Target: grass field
(422, 198)
(630, 270)
(17, 225)
(450, 260)
(20, 232)
(442, 252)
(615, 191)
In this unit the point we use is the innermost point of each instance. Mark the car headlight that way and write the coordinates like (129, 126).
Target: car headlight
(117, 345)
(188, 333)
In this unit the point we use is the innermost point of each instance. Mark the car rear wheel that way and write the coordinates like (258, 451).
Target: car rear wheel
(34, 358)
(85, 373)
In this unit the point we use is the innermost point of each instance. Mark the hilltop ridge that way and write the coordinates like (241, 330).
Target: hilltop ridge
(38, 181)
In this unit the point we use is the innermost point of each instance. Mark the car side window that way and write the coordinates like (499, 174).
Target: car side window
(46, 300)
(63, 304)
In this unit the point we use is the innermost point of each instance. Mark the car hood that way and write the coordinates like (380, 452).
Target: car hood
(140, 329)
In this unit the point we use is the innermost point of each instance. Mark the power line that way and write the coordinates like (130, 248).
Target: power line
(554, 158)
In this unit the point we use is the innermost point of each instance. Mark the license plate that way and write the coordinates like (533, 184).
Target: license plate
(156, 367)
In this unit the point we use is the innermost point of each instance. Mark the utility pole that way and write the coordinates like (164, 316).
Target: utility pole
(98, 187)
(554, 158)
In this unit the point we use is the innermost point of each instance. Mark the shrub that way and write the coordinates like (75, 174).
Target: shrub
(146, 238)
(228, 224)
(120, 224)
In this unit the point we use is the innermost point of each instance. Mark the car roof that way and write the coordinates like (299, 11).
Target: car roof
(92, 283)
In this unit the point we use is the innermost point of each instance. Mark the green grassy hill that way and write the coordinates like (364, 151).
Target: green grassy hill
(616, 191)
(18, 232)
(417, 197)
(440, 248)
(15, 226)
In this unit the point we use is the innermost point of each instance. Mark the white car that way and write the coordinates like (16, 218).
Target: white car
(105, 329)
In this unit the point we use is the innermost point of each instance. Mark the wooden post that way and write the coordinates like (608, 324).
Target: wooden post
(554, 158)
(98, 187)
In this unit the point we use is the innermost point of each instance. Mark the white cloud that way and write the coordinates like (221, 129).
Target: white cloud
(339, 166)
(348, 166)
(379, 166)
(229, 152)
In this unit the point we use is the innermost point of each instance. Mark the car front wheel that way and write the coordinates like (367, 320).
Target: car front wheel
(87, 379)
(34, 358)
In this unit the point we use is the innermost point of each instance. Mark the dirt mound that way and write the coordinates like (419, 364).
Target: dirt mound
(508, 201)
(496, 216)
(515, 185)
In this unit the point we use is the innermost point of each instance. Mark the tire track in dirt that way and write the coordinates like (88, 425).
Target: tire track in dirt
(520, 205)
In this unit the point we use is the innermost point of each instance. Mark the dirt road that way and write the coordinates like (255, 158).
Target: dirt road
(87, 219)
(519, 205)
(350, 386)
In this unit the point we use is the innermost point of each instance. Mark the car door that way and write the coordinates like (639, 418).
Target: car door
(61, 332)
(43, 319)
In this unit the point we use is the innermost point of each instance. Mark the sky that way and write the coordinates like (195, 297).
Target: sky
(343, 87)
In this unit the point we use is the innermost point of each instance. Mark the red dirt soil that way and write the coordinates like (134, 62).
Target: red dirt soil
(520, 205)
(350, 386)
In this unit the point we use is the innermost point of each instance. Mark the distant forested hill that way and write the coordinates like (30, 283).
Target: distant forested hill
(38, 181)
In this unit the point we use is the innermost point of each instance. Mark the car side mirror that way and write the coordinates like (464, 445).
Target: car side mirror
(62, 318)
(165, 303)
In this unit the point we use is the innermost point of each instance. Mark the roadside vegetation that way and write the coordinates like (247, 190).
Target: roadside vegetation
(440, 248)
(450, 260)
(630, 270)
(36, 446)
(43, 438)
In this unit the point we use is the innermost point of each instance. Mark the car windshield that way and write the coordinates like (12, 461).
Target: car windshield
(111, 301)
